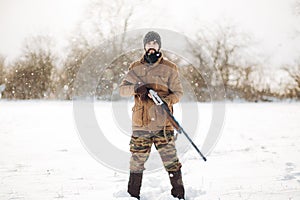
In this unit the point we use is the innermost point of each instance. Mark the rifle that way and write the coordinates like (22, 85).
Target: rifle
(158, 101)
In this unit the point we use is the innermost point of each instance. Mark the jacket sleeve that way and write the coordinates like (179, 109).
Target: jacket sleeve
(175, 88)
(126, 88)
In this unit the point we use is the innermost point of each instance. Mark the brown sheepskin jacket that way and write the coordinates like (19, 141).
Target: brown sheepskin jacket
(162, 77)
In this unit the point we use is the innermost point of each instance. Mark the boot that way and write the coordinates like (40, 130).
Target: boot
(177, 184)
(134, 184)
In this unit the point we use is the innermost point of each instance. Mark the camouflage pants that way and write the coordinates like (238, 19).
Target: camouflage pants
(140, 147)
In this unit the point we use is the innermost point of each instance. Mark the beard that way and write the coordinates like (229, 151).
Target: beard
(151, 56)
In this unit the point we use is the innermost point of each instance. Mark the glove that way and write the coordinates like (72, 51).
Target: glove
(141, 90)
(167, 101)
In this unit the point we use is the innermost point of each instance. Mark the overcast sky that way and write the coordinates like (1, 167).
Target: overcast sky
(272, 22)
(21, 18)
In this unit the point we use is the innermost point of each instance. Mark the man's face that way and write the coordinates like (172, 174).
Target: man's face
(151, 45)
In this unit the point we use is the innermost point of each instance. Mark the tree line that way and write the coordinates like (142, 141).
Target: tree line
(41, 73)
(37, 74)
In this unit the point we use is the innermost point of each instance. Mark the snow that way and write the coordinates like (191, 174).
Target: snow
(257, 157)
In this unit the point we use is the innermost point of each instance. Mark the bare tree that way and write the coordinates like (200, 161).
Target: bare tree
(2, 70)
(105, 20)
(30, 77)
(229, 50)
(225, 45)
(2, 75)
(294, 73)
(296, 7)
(77, 52)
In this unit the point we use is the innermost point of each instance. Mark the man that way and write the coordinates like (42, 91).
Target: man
(149, 121)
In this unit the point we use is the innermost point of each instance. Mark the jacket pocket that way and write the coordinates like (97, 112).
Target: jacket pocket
(137, 115)
(157, 117)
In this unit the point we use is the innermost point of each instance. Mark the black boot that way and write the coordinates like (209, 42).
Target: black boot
(134, 184)
(177, 184)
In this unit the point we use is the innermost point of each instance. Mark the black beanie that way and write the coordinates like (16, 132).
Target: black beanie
(152, 36)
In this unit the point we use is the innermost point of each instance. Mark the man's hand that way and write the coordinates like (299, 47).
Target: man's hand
(167, 101)
(142, 91)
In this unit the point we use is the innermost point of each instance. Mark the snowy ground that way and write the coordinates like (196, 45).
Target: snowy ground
(257, 157)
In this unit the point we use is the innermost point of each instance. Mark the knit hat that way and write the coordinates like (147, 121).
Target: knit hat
(152, 36)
